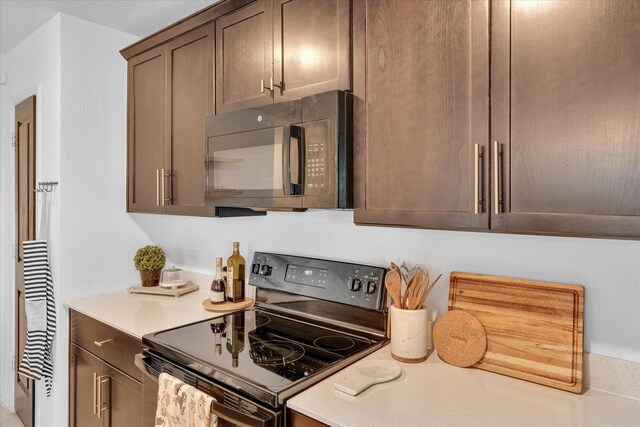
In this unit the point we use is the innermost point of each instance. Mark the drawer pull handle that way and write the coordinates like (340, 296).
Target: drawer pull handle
(99, 343)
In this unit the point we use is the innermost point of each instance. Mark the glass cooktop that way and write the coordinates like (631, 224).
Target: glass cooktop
(260, 348)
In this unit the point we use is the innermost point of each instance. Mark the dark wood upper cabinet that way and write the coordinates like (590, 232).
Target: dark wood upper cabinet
(566, 115)
(277, 50)
(311, 47)
(147, 120)
(171, 91)
(190, 100)
(244, 58)
(421, 83)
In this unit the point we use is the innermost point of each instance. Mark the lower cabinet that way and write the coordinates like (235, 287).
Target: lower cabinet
(296, 419)
(101, 393)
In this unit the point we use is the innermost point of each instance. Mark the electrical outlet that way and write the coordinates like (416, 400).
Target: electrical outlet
(193, 256)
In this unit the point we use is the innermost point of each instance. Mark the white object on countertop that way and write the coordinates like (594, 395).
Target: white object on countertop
(367, 373)
(409, 341)
(173, 284)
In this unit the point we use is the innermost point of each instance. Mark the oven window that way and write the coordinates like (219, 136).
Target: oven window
(245, 164)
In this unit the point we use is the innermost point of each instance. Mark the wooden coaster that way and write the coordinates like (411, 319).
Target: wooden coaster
(226, 306)
(460, 338)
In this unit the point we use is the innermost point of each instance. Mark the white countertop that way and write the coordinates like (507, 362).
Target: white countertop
(140, 314)
(434, 393)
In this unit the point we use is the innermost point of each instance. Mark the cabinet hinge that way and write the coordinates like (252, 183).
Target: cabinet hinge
(13, 139)
(13, 363)
(14, 251)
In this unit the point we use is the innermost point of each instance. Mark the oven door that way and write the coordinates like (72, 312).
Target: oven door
(230, 408)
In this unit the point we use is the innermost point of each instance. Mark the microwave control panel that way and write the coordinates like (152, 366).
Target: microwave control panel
(316, 135)
(347, 283)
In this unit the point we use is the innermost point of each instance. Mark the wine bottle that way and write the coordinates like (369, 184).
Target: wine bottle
(235, 336)
(235, 274)
(218, 285)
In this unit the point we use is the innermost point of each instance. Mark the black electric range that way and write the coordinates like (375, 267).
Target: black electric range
(312, 317)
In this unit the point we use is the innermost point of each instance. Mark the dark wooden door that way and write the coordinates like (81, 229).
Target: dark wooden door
(566, 116)
(311, 47)
(244, 46)
(426, 112)
(191, 98)
(147, 130)
(123, 396)
(85, 372)
(25, 168)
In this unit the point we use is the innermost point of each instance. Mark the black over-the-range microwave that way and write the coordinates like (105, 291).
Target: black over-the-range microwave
(291, 155)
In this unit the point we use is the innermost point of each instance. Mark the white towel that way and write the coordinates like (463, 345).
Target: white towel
(36, 361)
(180, 404)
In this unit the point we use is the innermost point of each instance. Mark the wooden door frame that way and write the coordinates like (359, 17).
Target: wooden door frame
(32, 162)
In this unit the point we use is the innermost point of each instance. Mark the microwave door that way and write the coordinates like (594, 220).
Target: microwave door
(293, 160)
(245, 169)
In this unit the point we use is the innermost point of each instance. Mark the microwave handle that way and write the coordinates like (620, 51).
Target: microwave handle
(293, 188)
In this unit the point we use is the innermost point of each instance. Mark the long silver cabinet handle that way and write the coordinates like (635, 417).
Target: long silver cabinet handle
(99, 343)
(477, 180)
(95, 404)
(497, 178)
(163, 194)
(102, 379)
(157, 187)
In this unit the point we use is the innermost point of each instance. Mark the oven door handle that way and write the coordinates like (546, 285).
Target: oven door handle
(138, 360)
(217, 409)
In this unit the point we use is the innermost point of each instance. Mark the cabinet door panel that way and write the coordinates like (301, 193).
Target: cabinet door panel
(244, 57)
(124, 399)
(311, 47)
(426, 106)
(147, 117)
(569, 121)
(82, 391)
(190, 62)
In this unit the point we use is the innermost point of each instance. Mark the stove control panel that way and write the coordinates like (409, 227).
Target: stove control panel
(343, 282)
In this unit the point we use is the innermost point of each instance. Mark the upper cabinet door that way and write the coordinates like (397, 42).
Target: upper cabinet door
(147, 134)
(191, 94)
(311, 52)
(423, 161)
(566, 117)
(244, 58)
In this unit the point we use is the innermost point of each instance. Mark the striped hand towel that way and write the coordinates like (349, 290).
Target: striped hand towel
(36, 361)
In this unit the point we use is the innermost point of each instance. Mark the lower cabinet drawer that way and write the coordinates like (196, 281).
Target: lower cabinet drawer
(109, 344)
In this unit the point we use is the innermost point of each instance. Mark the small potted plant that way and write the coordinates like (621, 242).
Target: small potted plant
(149, 261)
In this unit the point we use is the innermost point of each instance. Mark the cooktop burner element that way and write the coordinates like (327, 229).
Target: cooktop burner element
(262, 319)
(334, 343)
(276, 352)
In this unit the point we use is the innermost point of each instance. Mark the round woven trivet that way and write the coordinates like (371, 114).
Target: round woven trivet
(460, 338)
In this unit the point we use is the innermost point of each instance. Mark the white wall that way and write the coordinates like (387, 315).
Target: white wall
(82, 144)
(33, 66)
(608, 269)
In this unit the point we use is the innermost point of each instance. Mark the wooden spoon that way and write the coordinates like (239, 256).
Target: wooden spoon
(418, 289)
(393, 282)
(408, 293)
(426, 294)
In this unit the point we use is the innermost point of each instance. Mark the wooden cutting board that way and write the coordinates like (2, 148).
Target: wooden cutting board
(534, 329)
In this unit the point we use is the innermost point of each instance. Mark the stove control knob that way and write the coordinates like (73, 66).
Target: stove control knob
(265, 270)
(255, 268)
(356, 285)
(371, 288)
